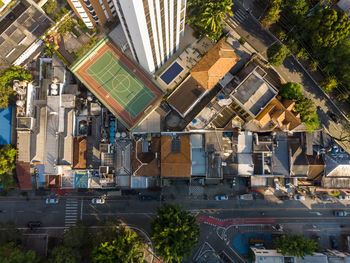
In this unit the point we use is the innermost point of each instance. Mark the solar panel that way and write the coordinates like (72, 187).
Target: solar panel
(175, 144)
(22, 18)
(1, 40)
(10, 30)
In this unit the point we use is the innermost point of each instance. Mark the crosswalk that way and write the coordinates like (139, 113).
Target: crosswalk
(71, 215)
(238, 17)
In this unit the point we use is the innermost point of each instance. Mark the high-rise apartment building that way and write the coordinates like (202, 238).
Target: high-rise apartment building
(94, 12)
(153, 28)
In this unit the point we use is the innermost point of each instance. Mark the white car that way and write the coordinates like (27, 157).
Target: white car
(51, 201)
(98, 201)
(221, 197)
(344, 197)
(299, 197)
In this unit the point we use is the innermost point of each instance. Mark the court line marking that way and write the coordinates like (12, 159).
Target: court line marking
(114, 89)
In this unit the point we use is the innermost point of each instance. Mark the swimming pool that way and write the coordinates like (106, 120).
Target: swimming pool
(171, 73)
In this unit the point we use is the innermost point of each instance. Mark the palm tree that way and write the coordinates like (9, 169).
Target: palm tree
(206, 16)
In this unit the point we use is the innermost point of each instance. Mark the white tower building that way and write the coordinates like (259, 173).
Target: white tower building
(153, 28)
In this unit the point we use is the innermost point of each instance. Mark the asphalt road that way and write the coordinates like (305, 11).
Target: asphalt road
(291, 71)
(56, 215)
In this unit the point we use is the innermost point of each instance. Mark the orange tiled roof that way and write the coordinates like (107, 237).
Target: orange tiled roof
(214, 65)
(279, 113)
(79, 153)
(176, 164)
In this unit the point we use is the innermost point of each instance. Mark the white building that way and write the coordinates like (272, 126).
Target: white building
(153, 29)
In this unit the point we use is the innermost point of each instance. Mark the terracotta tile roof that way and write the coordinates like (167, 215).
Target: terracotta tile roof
(176, 164)
(151, 165)
(279, 115)
(214, 65)
(23, 175)
(79, 153)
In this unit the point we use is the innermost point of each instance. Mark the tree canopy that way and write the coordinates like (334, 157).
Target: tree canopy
(62, 254)
(277, 53)
(11, 253)
(326, 27)
(77, 237)
(9, 233)
(291, 90)
(125, 247)
(206, 16)
(273, 13)
(329, 83)
(7, 164)
(51, 7)
(7, 77)
(174, 233)
(295, 245)
(305, 107)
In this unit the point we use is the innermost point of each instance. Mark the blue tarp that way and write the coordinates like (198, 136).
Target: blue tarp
(5, 125)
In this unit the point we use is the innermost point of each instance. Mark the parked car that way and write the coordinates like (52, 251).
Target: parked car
(221, 197)
(299, 197)
(145, 198)
(326, 198)
(344, 197)
(340, 213)
(334, 243)
(51, 201)
(284, 197)
(246, 197)
(98, 201)
(33, 224)
(333, 117)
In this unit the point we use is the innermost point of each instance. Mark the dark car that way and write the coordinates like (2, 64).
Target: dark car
(160, 198)
(145, 197)
(334, 243)
(333, 117)
(34, 224)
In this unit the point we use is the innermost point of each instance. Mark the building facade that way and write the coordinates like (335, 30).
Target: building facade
(153, 29)
(94, 12)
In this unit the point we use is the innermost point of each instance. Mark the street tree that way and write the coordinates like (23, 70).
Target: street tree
(326, 27)
(295, 245)
(7, 165)
(291, 90)
(126, 246)
(328, 84)
(206, 16)
(273, 13)
(277, 53)
(174, 233)
(63, 254)
(77, 237)
(7, 77)
(295, 10)
(12, 253)
(9, 233)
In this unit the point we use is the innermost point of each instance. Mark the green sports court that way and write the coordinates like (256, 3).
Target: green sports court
(117, 82)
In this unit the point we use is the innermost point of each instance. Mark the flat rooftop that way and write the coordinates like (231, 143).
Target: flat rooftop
(254, 93)
(122, 87)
